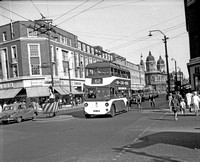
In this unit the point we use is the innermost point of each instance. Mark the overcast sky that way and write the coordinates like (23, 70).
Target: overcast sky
(119, 26)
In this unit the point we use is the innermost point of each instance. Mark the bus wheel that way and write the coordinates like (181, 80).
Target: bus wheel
(87, 116)
(112, 111)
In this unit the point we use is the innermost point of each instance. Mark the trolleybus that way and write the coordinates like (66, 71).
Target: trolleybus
(107, 89)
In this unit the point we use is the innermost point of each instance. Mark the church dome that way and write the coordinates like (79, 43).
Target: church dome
(150, 57)
(160, 61)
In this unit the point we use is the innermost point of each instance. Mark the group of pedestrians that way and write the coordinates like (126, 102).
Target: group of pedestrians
(178, 103)
(139, 101)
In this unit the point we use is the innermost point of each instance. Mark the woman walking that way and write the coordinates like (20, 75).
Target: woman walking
(175, 107)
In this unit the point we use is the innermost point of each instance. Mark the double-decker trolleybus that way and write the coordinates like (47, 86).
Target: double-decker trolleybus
(107, 89)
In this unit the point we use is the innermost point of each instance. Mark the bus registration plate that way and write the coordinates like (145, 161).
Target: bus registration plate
(96, 110)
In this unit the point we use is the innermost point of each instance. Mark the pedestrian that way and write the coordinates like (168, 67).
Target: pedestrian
(139, 102)
(152, 100)
(188, 100)
(169, 100)
(1, 109)
(175, 107)
(195, 103)
(183, 106)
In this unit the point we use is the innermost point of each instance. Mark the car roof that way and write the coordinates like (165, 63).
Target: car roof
(15, 104)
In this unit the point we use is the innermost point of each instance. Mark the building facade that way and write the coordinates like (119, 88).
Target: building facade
(192, 12)
(155, 74)
(34, 57)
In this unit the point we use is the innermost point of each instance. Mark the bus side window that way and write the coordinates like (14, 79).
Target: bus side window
(112, 90)
(112, 72)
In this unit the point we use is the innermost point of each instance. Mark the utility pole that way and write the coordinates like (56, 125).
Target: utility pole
(44, 26)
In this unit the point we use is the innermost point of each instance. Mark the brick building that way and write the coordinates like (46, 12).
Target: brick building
(30, 59)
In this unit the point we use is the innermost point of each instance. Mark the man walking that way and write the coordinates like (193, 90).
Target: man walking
(195, 103)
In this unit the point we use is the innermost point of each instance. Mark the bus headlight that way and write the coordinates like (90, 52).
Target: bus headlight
(85, 104)
(106, 104)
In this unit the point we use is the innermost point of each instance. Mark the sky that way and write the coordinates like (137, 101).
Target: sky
(119, 26)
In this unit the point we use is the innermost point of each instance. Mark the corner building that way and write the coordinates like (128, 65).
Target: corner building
(30, 61)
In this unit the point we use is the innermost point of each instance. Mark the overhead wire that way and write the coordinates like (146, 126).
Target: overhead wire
(81, 12)
(38, 9)
(70, 10)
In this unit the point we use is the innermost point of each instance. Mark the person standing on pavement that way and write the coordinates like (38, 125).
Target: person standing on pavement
(152, 100)
(188, 100)
(139, 102)
(183, 106)
(169, 100)
(195, 103)
(175, 107)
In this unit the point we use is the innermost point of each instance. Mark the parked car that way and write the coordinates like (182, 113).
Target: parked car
(17, 112)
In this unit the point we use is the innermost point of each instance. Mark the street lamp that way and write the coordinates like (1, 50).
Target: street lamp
(175, 73)
(166, 55)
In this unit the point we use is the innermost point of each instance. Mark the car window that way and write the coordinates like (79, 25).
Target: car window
(8, 108)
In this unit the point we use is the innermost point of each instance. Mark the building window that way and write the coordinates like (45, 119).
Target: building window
(88, 49)
(34, 51)
(84, 48)
(4, 36)
(86, 60)
(81, 66)
(52, 54)
(34, 54)
(65, 55)
(70, 42)
(92, 50)
(94, 60)
(14, 54)
(35, 69)
(15, 71)
(79, 45)
(31, 32)
(90, 60)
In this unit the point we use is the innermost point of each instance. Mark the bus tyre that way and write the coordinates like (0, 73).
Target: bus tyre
(112, 111)
(87, 116)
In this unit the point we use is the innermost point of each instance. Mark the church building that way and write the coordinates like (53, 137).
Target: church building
(155, 74)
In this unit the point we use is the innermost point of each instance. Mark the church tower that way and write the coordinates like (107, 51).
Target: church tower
(150, 63)
(161, 65)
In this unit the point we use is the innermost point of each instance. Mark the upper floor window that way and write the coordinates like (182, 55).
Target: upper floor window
(84, 48)
(34, 50)
(65, 55)
(31, 32)
(88, 49)
(14, 53)
(79, 45)
(92, 50)
(34, 54)
(52, 54)
(4, 36)
(70, 42)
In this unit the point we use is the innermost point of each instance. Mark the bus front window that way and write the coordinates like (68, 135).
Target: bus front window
(91, 93)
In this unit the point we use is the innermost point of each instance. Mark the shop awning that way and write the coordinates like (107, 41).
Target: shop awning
(9, 93)
(73, 90)
(37, 91)
(61, 90)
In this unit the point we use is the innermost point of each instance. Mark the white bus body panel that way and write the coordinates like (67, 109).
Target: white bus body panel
(99, 108)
